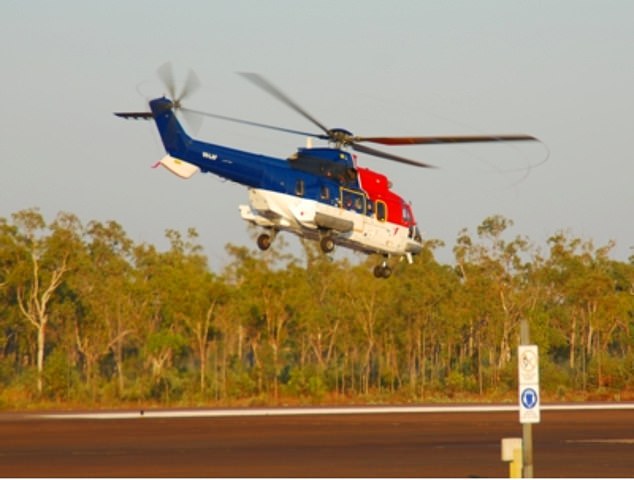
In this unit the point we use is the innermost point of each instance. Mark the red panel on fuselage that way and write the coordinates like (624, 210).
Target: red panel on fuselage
(377, 187)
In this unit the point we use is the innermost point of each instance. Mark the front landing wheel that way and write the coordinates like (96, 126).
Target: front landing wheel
(382, 271)
(264, 241)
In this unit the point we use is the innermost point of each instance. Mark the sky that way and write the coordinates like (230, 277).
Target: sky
(562, 71)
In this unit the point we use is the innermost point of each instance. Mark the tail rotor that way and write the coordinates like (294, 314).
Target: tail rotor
(166, 74)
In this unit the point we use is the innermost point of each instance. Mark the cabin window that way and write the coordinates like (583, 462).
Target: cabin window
(353, 200)
(299, 188)
(324, 192)
(381, 211)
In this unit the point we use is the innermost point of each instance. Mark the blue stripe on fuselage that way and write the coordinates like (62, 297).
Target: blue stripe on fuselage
(250, 169)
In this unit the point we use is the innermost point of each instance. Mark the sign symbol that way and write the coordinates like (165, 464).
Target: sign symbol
(527, 361)
(528, 364)
(529, 398)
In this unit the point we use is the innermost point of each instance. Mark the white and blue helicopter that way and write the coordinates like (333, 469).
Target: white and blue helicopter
(317, 193)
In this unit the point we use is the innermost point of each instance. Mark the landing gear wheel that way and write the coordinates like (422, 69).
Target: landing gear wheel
(327, 244)
(264, 241)
(382, 271)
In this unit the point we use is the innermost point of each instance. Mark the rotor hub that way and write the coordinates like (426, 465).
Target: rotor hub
(340, 136)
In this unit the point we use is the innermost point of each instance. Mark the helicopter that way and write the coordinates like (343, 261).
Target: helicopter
(318, 193)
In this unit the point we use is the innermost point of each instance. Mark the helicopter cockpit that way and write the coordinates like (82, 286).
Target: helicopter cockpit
(408, 218)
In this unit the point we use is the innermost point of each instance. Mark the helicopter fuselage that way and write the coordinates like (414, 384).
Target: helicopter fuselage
(317, 193)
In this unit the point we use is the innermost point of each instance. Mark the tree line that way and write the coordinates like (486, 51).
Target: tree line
(88, 316)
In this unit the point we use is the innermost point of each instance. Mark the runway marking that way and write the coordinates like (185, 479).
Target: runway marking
(626, 441)
(262, 412)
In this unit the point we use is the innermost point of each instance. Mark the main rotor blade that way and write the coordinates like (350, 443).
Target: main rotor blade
(267, 86)
(445, 139)
(254, 124)
(389, 156)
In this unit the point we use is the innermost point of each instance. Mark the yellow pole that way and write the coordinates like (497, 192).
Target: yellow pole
(515, 466)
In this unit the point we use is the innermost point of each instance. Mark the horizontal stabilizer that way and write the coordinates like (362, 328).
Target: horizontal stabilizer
(135, 115)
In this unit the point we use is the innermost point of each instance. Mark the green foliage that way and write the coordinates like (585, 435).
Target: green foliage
(87, 316)
(61, 379)
(307, 383)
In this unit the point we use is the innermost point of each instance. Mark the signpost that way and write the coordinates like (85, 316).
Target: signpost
(528, 383)
(529, 398)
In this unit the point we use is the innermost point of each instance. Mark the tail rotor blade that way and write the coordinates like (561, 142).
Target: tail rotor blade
(192, 83)
(194, 121)
(166, 74)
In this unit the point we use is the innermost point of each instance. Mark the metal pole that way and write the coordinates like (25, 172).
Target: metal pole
(527, 428)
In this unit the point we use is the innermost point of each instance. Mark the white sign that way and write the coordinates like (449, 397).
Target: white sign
(527, 357)
(529, 405)
(528, 373)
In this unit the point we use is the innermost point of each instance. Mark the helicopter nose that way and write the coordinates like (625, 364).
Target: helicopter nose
(414, 234)
(416, 241)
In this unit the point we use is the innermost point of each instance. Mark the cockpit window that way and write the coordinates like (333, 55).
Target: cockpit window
(407, 216)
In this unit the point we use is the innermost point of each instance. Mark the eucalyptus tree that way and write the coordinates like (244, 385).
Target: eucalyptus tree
(493, 273)
(44, 256)
(424, 312)
(11, 325)
(177, 310)
(264, 296)
(367, 302)
(620, 343)
(592, 298)
(193, 298)
(321, 312)
(107, 299)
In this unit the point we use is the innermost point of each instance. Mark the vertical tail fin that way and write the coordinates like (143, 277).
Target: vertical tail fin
(174, 137)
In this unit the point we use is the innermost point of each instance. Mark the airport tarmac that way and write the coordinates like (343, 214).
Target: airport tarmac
(379, 442)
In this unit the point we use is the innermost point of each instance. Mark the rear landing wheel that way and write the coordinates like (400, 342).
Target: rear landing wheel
(264, 241)
(327, 244)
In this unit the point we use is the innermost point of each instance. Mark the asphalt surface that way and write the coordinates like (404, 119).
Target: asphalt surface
(598, 443)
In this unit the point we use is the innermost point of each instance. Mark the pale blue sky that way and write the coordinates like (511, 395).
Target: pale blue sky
(560, 70)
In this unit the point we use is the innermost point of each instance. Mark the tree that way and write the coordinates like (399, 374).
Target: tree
(587, 303)
(320, 309)
(265, 296)
(108, 298)
(11, 324)
(192, 296)
(49, 260)
(494, 277)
